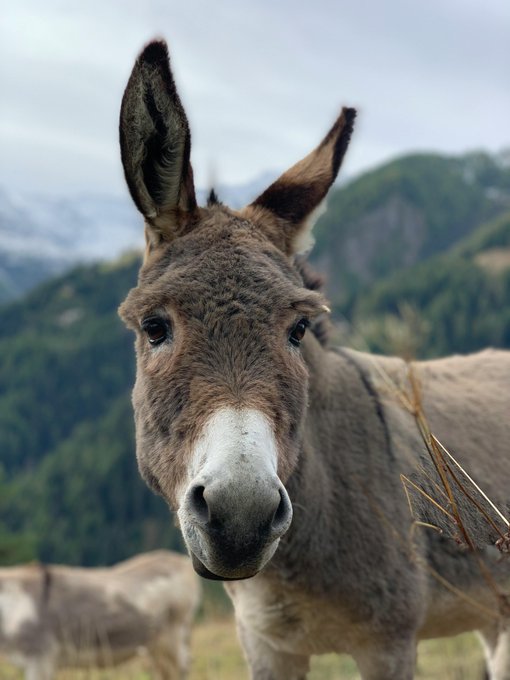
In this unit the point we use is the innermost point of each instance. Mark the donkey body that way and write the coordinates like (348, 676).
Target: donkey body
(56, 616)
(283, 459)
(351, 575)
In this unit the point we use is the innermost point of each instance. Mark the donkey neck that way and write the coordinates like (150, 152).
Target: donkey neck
(339, 470)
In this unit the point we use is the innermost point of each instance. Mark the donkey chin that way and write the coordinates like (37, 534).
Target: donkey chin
(235, 509)
(223, 560)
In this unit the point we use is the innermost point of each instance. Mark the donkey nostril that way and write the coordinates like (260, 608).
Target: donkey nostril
(198, 504)
(282, 515)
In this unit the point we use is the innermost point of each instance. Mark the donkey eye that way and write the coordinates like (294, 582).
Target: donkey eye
(157, 329)
(298, 332)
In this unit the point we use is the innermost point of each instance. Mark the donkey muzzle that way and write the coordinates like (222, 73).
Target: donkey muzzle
(233, 526)
(235, 508)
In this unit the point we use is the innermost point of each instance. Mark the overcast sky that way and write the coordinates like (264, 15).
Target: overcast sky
(261, 80)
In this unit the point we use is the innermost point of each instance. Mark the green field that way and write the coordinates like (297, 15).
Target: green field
(216, 655)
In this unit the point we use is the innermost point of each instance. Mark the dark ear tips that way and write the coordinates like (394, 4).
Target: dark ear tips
(350, 115)
(212, 198)
(154, 52)
(346, 121)
(154, 58)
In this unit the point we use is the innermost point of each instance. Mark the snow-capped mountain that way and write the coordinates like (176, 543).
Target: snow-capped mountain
(41, 236)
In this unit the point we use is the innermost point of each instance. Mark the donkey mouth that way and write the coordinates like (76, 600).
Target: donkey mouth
(204, 572)
(228, 561)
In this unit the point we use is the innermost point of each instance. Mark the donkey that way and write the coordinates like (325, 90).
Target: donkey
(282, 458)
(54, 616)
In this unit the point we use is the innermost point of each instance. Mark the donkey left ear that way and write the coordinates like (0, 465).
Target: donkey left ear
(155, 146)
(285, 211)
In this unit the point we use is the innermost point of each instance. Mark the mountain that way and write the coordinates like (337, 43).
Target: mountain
(398, 214)
(457, 300)
(402, 213)
(69, 486)
(41, 236)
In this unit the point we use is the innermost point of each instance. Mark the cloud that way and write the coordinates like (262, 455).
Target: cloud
(261, 81)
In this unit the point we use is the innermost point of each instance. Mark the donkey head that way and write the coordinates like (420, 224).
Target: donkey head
(219, 312)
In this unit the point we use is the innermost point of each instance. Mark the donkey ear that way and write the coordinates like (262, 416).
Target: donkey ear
(286, 210)
(155, 145)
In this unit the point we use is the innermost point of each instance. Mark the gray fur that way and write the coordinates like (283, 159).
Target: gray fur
(350, 553)
(101, 617)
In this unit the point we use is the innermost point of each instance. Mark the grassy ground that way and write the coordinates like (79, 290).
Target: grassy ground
(217, 656)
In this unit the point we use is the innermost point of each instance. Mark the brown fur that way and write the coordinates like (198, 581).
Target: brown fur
(237, 299)
(346, 576)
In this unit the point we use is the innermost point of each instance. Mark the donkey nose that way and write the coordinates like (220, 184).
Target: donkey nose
(283, 515)
(217, 507)
(197, 505)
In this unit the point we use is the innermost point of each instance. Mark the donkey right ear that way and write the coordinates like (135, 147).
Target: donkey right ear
(155, 146)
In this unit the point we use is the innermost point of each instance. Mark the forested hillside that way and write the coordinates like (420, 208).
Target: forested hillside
(402, 213)
(417, 255)
(70, 490)
(456, 301)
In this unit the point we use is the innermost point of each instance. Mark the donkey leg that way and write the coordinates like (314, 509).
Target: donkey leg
(40, 669)
(496, 643)
(489, 639)
(395, 659)
(267, 663)
(169, 655)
